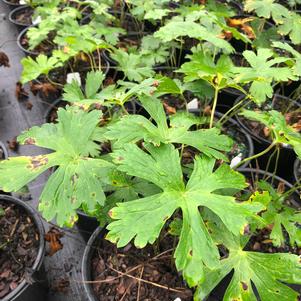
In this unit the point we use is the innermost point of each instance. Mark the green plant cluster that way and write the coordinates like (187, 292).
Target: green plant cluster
(118, 147)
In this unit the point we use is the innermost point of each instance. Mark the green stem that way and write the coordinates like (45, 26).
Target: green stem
(256, 155)
(52, 82)
(214, 106)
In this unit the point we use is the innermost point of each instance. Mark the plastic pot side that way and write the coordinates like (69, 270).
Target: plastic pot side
(37, 290)
(14, 12)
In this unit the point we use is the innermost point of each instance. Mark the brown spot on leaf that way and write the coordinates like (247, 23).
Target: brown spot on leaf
(190, 253)
(37, 161)
(244, 286)
(247, 229)
(74, 178)
(30, 141)
(110, 214)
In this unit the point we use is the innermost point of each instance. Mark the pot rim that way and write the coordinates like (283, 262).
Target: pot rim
(4, 149)
(86, 267)
(20, 36)
(41, 252)
(12, 4)
(16, 10)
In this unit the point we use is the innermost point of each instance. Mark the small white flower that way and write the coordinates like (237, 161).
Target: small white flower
(178, 299)
(75, 76)
(236, 160)
(193, 105)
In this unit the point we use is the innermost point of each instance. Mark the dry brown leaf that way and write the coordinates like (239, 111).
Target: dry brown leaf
(4, 60)
(53, 236)
(21, 94)
(169, 110)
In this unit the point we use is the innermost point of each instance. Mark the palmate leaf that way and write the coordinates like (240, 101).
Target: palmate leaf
(143, 219)
(296, 56)
(291, 26)
(32, 69)
(281, 131)
(262, 72)
(268, 273)
(132, 128)
(178, 28)
(73, 92)
(134, 67)
(267, 9)
(279, 215)
(73, 141)
(202, 65)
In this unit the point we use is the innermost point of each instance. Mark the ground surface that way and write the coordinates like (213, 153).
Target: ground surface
(14, 118)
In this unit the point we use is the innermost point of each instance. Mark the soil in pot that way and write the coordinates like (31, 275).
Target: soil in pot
(44, 47)
(19, 246)
(13, 2)
(160, 278)
(22, 16)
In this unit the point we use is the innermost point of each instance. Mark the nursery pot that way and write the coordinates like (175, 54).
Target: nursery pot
(11, 4)
(86, 263)
(15, 12)
(86, 224)
(35, 289)
(286, 156)
(297, 171)
(19, 43)
(3, 150)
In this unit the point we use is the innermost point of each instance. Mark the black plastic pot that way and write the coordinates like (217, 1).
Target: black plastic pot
(3, 150)
(37, 290)
(15, 12)
(297, 171)
(287, 155)
(86, 262)
(19, 43)
(11, 5)
(86, 224)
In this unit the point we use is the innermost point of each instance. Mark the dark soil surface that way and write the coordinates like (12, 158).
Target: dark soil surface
(24, 16)
(117, 271)
(19, 245)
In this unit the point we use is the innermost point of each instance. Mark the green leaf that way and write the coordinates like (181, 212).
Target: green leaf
(132, 128)
(133, 65)
(267, 9)
(253, 268)
(32, 69)
(143, 219)
(291, 26)
(281, 131)
(94, 81)
(202, 65)
(262, 72)
(178, 28)
(73, 141)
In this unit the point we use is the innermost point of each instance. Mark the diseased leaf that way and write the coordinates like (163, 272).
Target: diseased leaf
(73, 140)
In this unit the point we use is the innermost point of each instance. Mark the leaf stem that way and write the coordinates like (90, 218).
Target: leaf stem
(256, 155)
(216, 90)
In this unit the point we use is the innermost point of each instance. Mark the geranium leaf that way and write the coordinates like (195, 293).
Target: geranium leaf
(143, 219)
(133, 128)
(73, 140)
